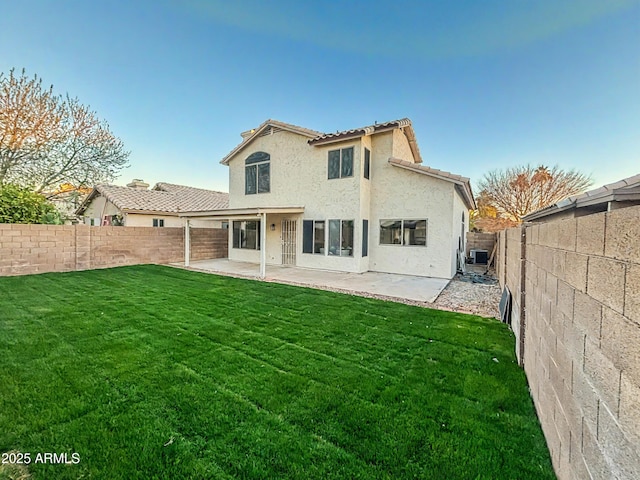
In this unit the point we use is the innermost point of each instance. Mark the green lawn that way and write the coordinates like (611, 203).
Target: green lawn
(154, 372)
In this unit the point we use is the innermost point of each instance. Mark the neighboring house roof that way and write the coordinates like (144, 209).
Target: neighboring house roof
(319, 138)
(626, 190)
(463, 184)
(163, 198)
(195, 199)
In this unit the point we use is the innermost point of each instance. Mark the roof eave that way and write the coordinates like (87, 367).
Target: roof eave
(234, 212)
(336, 139)
(618, 195)
(85, 204)
(149, 212)
(545, 212)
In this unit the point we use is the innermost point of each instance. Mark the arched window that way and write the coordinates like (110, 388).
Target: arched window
(257, 173)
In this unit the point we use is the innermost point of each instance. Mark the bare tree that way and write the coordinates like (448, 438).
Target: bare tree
(516, 192)
(47, 139)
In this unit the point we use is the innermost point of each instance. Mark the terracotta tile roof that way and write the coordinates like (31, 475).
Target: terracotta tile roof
(164, 197)
(358, 132)
(191, 199)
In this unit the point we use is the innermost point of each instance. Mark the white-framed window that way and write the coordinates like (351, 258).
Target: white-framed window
(341, 238)
(407, 232)
(313, 236)
(158, 222)
(257, 173)
(246, 234)
(340, 163)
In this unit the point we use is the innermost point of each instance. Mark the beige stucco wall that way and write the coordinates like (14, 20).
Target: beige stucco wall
(365, 206)
(299, 178)
(459, 234)
(401, 148)
(400, 194)
(100, 206)
(140, 220)
(146, 220)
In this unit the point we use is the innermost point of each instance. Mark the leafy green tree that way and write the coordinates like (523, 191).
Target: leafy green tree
(22, 205)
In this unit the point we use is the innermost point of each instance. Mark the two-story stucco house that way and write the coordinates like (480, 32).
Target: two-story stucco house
(354, 201)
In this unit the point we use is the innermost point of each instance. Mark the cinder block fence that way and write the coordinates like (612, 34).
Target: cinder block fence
(480, 241)
(26, 249)
(576, 315)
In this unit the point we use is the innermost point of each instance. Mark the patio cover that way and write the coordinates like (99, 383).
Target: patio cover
(236, 213)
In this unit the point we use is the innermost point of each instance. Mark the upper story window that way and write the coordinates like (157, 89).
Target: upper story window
(158, 222)
(367, 163)
(257, 173)
(341, 163)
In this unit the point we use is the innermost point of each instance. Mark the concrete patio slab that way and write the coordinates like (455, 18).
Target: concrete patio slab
(409, 287)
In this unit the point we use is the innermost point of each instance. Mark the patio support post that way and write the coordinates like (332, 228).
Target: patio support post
(187, 243)
(263, 246)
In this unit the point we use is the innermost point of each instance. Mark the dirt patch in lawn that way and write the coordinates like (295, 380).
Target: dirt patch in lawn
(14, 471)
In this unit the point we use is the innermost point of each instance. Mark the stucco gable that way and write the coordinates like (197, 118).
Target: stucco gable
(463, 184)
(268, 127)
(316, 138)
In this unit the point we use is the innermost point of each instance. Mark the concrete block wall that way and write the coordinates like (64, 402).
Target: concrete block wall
(37, 248)
(209, 243)
(480, 241)
(510, 272)
(27, 249)
(113, 246)
(581, 334)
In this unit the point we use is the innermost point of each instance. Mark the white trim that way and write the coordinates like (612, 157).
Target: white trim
(240, 212)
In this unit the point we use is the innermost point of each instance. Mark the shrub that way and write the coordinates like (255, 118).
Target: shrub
(21, 205)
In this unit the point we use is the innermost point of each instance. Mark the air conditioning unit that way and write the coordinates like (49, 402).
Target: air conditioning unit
(479, 256)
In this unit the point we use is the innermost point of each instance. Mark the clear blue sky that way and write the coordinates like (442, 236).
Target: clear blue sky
(488, 84)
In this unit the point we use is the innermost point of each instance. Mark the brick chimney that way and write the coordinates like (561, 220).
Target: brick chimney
(138, 184)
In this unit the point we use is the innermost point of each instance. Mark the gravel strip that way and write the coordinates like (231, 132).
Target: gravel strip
(469, 297)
